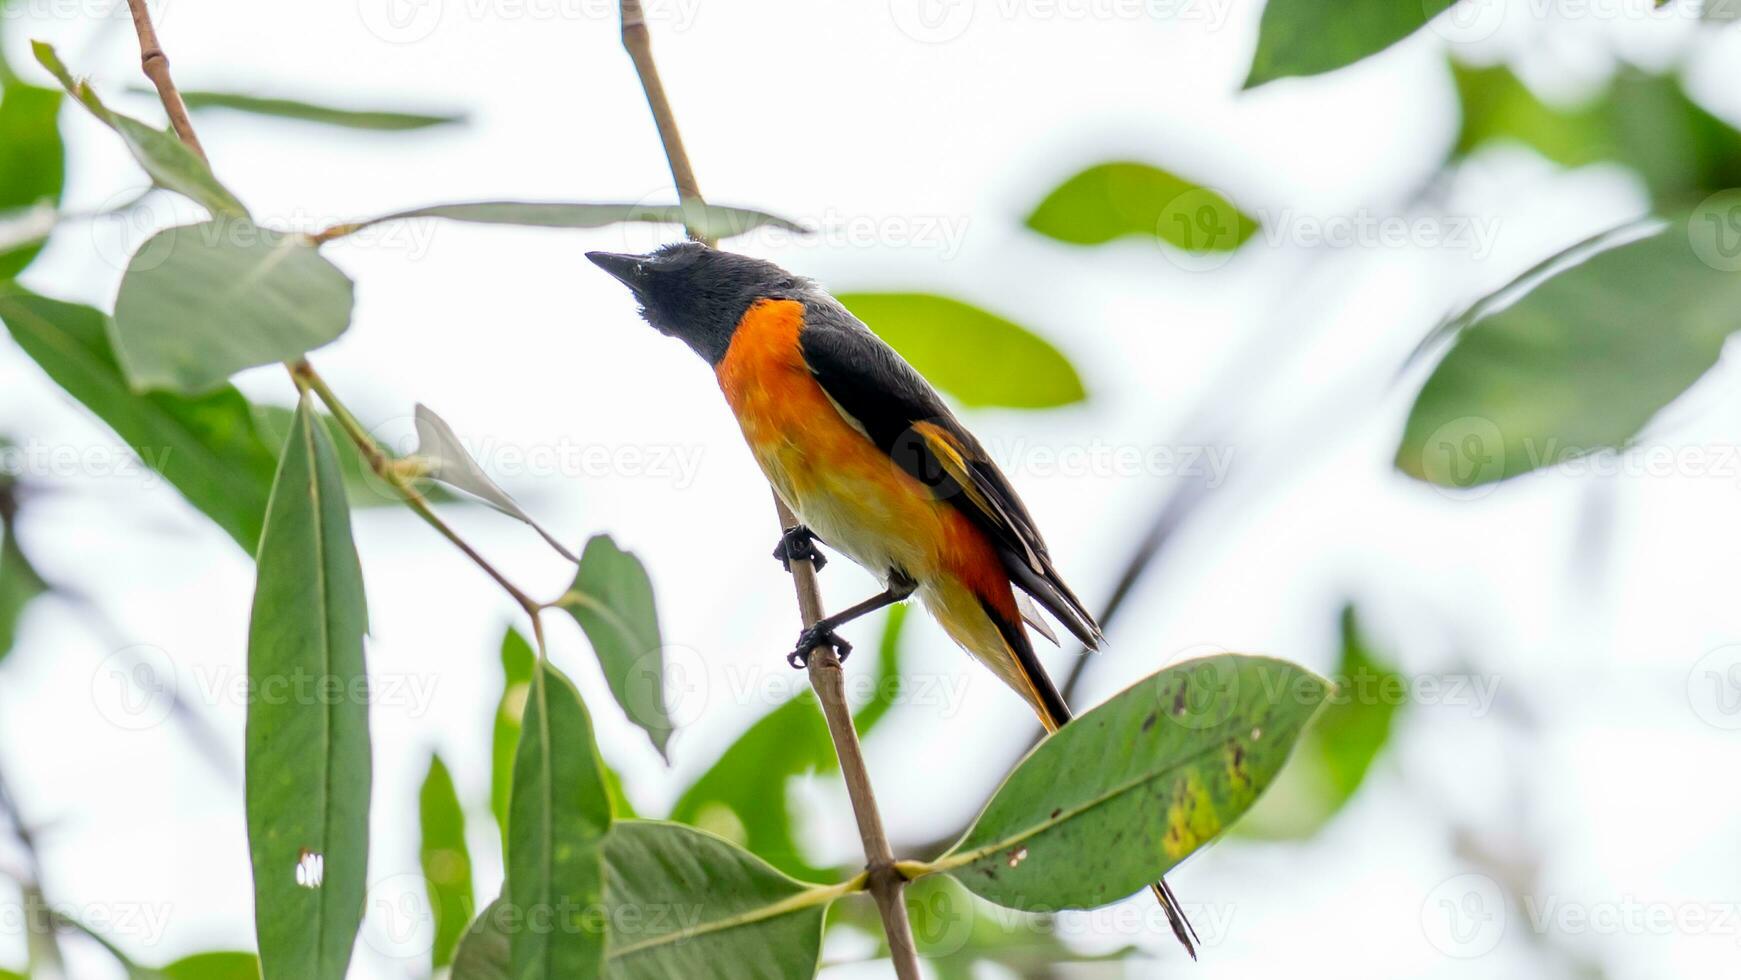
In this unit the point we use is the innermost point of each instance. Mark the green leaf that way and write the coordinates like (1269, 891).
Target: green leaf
(1338, 749)
(980, 359)
(201, 302)
(1584, 360)
(518, 662)
(19, 582)
(207, 447)
(483, 953)
(886, 682)
(1646, 122)
(710, 221)
(1497, 106)
(447, 864)
(1310, 37)
(1109, 201)
(558, 816)
(375, 119)
(215, 966)
(170, 163)
(612, 600)
(743, 796)
(1125, 792)
(32, 159)
(683, 903)
(307, 761)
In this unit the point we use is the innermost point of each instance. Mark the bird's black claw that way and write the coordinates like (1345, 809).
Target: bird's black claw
(818, 636)
(799, 544)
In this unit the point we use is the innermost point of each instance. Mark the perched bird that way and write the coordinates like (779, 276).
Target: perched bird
(872, 461)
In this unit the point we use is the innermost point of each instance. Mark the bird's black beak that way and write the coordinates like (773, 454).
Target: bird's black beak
(626, 268)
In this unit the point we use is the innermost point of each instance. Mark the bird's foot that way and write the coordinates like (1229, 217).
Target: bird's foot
(820, 635)
(799, 544)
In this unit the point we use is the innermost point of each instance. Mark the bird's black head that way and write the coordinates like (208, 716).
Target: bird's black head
(698, 294)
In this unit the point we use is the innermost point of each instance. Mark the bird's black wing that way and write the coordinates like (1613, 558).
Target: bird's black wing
(905, 417)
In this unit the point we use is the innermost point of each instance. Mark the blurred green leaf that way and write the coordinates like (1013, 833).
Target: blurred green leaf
(687, 904)
(981, 359)
(32, 159)
(886, 681)
(207, 447)
(19, 583)
(170, 164)
(1109, 201)
(23, 231)
(1584, 359)
(9, 975)
(518, 662)
(1338, 749)
(447, 864)
(559, 813)
(201, 302)
(1642, 121)
(375, 119)
(307, 761)
(744, 796)
(215, 966)
(1161, 769)
(612, 600)
(483, 952)
(710, 221)
(1310, 37)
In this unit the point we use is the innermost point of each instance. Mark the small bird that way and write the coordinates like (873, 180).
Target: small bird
(872, 461)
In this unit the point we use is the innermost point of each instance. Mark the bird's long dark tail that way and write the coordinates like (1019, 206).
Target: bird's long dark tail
(1054, 713)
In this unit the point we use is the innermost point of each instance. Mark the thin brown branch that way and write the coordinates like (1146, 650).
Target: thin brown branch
(639, 43)
(307, 376)
(887, 884)
(156, 66)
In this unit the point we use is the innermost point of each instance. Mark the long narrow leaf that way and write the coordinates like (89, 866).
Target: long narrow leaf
(559, 814)
(447, 864)
(307, 764)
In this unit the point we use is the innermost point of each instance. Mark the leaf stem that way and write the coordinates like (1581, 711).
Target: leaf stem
(885, 880)
(383, 467)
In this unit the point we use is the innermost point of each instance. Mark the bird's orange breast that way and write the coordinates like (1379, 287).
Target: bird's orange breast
(798, 435)
(842, 485)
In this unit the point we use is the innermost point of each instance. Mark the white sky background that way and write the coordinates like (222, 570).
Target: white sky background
(830, 113)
